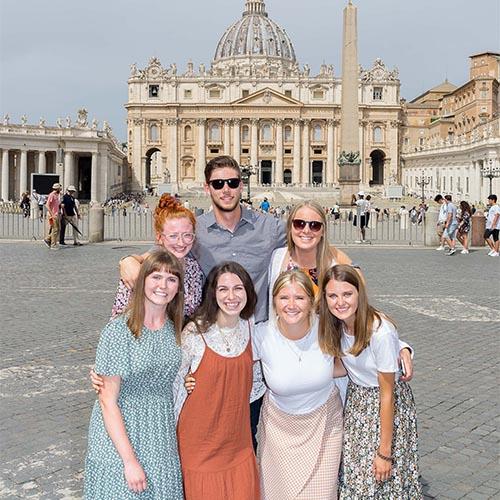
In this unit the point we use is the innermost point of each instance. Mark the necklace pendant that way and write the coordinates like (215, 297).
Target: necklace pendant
(227, 349)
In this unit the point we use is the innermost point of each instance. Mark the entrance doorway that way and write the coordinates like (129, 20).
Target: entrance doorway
(84, 174)
(152, 160)
(317, 172)
(287, 176)
(266, 172)
(378, 159)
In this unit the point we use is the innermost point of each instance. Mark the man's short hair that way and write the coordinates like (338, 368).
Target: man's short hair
(492, 197)
(221, 162)
(447, 197)
(438, 198)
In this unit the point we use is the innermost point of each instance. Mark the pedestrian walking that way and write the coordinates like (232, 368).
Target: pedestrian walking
(70, 215)
(360, 217)
(132, 445)
(380, 457)
(25, 204)
(464, 225)
(451, 224)
(53, 217)
(493, 226)
(441, 220)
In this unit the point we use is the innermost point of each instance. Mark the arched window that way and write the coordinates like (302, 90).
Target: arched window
(245, 133)
(214, 132)
(153, 133)
(317, 132)
(188, 133)
(266, 133)
(288, 133)
(377, 134)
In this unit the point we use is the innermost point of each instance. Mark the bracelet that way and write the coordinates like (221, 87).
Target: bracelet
(383, 457)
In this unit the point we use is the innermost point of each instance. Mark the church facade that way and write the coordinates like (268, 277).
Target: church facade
(256, 103)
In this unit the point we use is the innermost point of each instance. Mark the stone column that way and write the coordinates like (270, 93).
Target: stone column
(23, 172)
(104, 175)
(227, 136)
(279, 152)
(236, 139)
(174, 146)
(42, 162)
(94, 174)
(254, 145)
(330, 151)
(201, 160)
(296, 152)
(306, 163)
(69, 177)
(5, 175)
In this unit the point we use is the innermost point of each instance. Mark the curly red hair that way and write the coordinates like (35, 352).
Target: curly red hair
(170, 208)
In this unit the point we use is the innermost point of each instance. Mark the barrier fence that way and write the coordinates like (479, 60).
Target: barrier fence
(139, 227)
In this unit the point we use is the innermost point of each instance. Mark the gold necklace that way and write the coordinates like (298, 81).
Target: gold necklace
(289, 342)
(228, 330)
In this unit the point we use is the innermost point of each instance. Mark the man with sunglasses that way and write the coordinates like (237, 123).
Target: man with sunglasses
(233, 232)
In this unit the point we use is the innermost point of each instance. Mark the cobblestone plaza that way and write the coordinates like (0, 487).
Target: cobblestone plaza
(54, 305)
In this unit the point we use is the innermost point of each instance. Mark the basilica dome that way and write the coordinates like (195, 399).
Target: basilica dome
(255, 36)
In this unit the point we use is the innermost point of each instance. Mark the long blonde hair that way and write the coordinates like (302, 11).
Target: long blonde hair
(158, 260)
(330, 327)
(324, 253)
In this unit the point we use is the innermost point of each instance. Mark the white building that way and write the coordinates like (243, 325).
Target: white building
(81, 154)
(257, 104)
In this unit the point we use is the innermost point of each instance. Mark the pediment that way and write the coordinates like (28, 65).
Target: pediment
(267, 97)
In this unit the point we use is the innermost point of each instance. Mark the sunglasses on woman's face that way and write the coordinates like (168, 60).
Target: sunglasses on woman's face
(233, 183)
(300, 224)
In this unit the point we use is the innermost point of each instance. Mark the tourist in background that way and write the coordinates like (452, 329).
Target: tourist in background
(132, 445)
(493, 226)
(464, 225)
(441, 220)
(25, 204)
(380, 458)
(53, 205)
(360, 216)
(70, 214)
(450, 225)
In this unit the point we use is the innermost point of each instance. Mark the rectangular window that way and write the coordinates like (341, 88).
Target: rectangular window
(318, 94)
(288, 93)
(466, 184)
(245, 93)
(451, 183)
(318, 151)
(214, 150)
(377, 93)
(188, 94)
(288, 151)
(154, 90)
(245, 151)
(214, 94)
(444, 183)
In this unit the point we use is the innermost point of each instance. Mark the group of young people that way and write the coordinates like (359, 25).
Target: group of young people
(277, 379)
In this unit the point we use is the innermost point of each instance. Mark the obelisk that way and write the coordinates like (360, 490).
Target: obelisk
(349, 159)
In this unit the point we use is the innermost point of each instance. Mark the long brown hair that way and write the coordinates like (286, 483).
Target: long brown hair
(159, 260)
(330, 327)
(170, 208)
(324, 253)
(206, 315)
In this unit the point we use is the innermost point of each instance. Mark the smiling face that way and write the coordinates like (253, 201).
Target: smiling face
(175, 236)
(230, 294)
(292, 305)
(306, 239)
(226, 199)
(342, 301)
(160, 288)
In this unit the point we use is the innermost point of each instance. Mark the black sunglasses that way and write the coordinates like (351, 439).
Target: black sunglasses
(300, 224)
(233, 183)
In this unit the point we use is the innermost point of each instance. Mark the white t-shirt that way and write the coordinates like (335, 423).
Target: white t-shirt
(362, 207)
(295, 386)
(494, 209)
(443, 213)
(381, 355)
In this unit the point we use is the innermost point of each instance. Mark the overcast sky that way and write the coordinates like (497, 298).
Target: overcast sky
(59, 55)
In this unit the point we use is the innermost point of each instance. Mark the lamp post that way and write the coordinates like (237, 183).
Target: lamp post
(246, 172)
(423, 181)
(490, 171)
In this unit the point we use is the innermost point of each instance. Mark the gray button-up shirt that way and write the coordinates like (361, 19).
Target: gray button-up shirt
(251, 244)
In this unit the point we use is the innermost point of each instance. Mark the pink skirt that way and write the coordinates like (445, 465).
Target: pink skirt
(299, 455)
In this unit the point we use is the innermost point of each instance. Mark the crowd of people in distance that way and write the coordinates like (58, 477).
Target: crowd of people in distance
(244, 361)
(455, 224)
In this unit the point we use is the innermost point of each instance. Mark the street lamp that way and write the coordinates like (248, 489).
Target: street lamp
(423, 181)
(246, 172)
(490, 171)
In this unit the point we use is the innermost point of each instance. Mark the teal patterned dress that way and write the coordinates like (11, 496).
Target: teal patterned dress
(147, 367)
